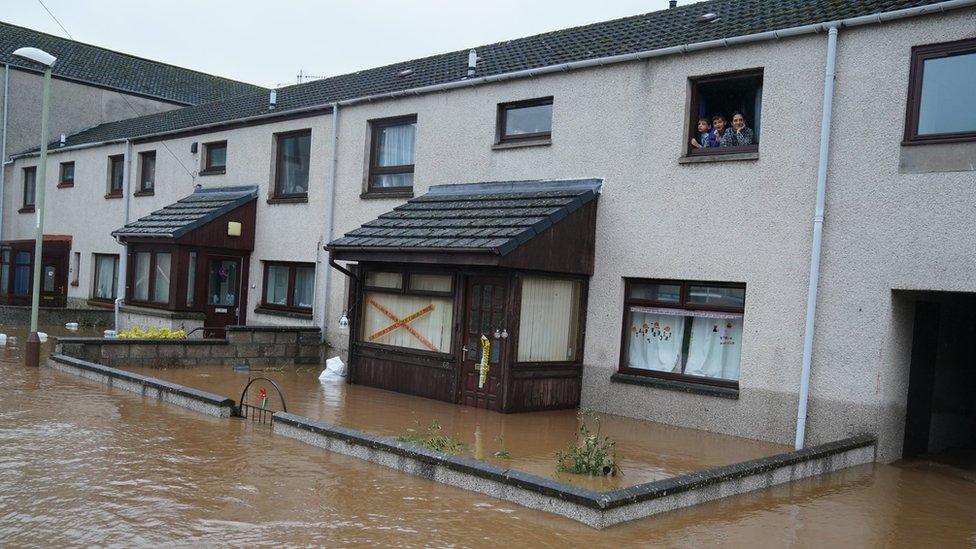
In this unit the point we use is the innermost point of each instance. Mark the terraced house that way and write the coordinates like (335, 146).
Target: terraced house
(707, 216)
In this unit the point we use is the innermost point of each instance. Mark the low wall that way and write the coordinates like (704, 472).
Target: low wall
(596, 509)
(186, 397)
(253, 345)
(57, 316)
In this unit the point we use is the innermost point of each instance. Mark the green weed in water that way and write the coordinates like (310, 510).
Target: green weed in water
(433, 440)
(592, 454)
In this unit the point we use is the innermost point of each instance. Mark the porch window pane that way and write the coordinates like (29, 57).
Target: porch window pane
(140, 284)
(413, 322)
(191, 279)
(276, 288)
(304, 287)
(717, 296)
(655, 291)
(106, 274)
(22, 272)
(384, 280)
(161, 288)
(431, 283)
(4, 271)
(549, 321)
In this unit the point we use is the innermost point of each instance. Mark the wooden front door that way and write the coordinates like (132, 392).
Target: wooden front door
(485, 313)
(224, 294)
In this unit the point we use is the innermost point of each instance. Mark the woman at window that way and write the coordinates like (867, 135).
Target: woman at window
(739, 134)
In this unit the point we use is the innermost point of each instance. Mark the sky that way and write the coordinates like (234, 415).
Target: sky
(270, 42)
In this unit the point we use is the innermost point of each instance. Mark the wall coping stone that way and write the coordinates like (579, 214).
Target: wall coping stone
(675, 385)
(162, 313)
(255, 328)
(188, 392)
(138, 341)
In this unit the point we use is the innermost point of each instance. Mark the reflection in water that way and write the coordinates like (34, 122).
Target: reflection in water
(84, 464)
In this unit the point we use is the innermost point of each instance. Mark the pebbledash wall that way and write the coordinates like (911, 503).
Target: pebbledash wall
(890, 224)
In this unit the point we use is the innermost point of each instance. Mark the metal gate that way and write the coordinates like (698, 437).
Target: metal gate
(261, 414)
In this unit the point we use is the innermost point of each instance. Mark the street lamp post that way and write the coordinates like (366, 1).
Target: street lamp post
(32, 351)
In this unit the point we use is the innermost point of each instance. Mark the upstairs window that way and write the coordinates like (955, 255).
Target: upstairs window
(147, 172)
(525, 122)
(66, 175)
(214, 158)
(116, 172)
(293, 155)
(30, 188)
(726, 112)
(942, 85)
(391, 163)
(683, 330)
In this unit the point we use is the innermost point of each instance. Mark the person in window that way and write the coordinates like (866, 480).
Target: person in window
(704, 132)
(739, 134)
(718, 131)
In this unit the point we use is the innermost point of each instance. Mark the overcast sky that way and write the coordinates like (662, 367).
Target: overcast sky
(269, 42)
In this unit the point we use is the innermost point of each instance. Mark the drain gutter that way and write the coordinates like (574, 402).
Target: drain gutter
(329, 210)
(818, 221)
(124, 256)
(3, 142)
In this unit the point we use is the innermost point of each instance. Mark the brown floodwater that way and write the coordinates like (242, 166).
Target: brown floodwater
(84, 464)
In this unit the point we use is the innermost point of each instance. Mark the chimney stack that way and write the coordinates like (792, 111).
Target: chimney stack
(272, 99)
(472, 62)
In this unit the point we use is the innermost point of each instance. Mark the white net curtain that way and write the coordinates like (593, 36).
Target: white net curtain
(658, 341)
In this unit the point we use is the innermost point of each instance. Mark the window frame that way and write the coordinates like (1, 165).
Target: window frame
(293, 267)
(693, 107)
(151, 288)
(277, 193)
(580, 322)
(208, 167)
(95, 257)
(916, 74)
(112, 192)
(143, 190)
(682, 304)
(66, 183)
(28, 206)
(501, 121)
(374, 169)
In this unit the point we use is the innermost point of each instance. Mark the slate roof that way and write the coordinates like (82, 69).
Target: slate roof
(655, 30)
(476, 217)
(103, 67)
(189, 213)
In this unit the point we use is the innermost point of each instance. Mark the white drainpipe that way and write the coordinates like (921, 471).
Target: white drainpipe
(818, 220)
(333, 169)
(124, 255)
(3, 142)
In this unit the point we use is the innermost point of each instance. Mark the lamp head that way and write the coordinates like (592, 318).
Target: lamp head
(35, 55)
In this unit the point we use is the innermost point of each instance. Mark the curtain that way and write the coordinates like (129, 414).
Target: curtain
(433, 321)
(161, 289)
(396, 145)
(140, 290)
(276, 287)
(295, 154)
(655, 341)
(715, 348)
(549, 320)
(106, 271)
(191, 279)
(304, 287)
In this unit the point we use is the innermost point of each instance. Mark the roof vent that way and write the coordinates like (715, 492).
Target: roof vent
(405, 72)
(62, 140)
(472, 62)
(672, 4)
(272, 99)
(709, 17)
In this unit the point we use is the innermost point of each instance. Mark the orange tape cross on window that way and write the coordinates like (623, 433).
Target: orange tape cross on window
(403, 323)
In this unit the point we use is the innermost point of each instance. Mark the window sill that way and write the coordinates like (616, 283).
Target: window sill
(26, 209)
(66, 185)
(544, 142)
(112, 196)
(674, 385)
(381, 195)
(101, 303)
(730, 157)
(213, 171)
(144, 193)
(288, 200)
(278, 312)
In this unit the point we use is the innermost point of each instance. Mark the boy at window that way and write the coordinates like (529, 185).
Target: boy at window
(718, 131)
(704, 134)
(739, 134)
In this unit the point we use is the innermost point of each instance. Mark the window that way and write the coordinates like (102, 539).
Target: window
(417, 315)
(725, 113)
(30, 188)
(289, 286)
(214, 158)
(942, 84)
(66, 175)
(549, 320)
(22, 273)
(151, 277)
(525, 121)
(106, 277)
(291, 164)
(116, 171)
(391, 159)
(147, 172)
(5, 270)
(689, 331)
(75, 267)
(191, 279)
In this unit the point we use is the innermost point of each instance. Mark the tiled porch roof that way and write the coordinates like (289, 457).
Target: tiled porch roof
(186, 214)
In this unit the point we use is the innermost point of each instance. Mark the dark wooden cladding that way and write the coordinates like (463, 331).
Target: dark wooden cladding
(402, 372)
(543, 393)
(214, 234)
(566, 247)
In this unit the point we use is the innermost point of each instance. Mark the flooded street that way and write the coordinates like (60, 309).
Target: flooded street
(85, 464)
